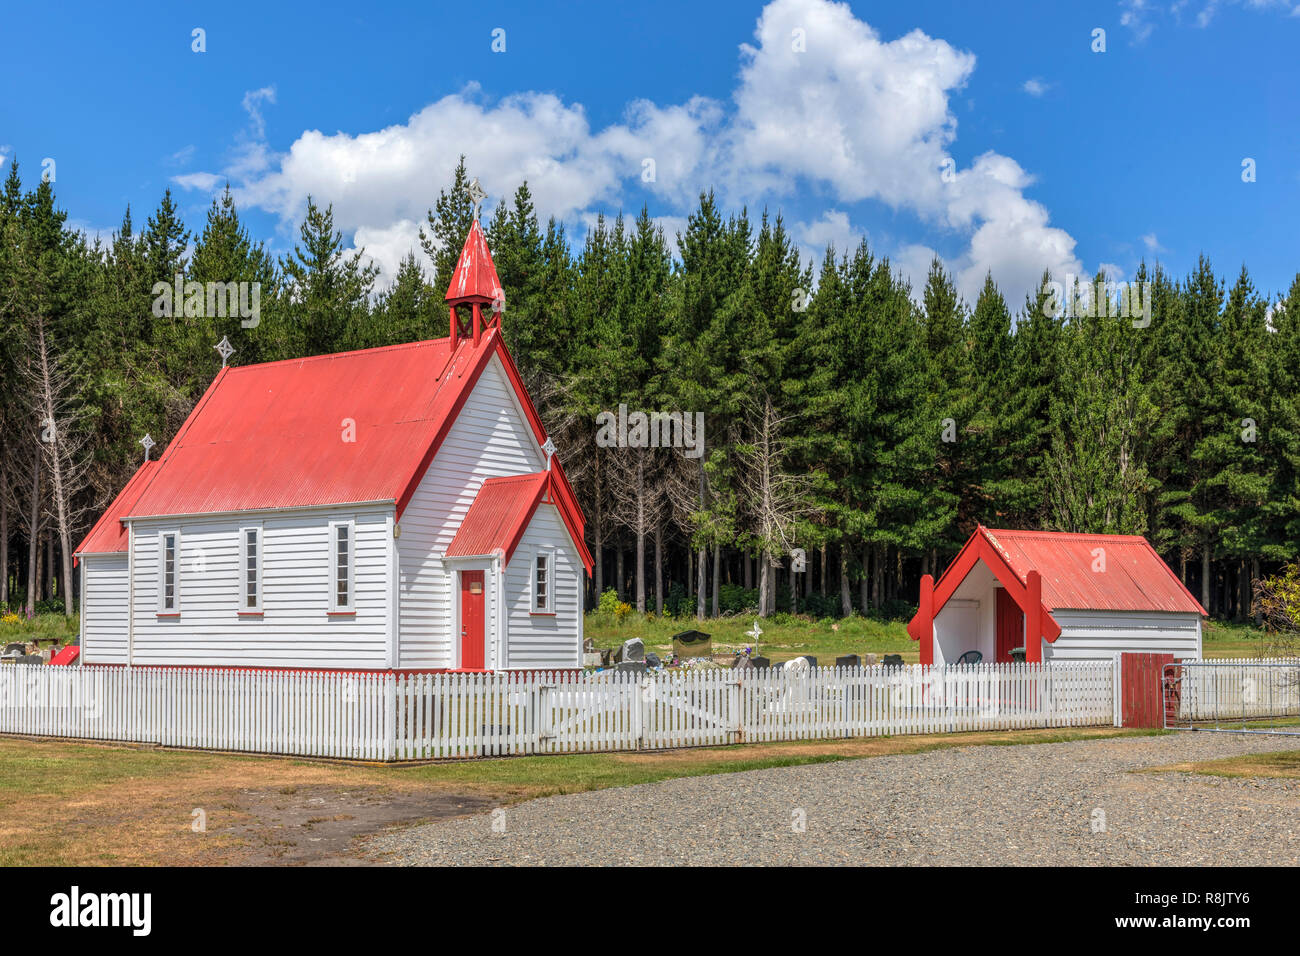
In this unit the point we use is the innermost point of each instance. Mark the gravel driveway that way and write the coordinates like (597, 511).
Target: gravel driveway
(1032, 804)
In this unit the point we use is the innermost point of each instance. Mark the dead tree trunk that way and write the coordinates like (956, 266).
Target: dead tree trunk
(659, 569)
(33, 536)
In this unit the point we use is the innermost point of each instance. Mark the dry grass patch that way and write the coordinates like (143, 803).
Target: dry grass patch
(1283, 764)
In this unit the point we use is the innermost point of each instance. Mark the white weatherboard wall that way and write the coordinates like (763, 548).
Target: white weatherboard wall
(1095, 634)
(491, 437)
(103, 609)
(544, 640)
(295, 629)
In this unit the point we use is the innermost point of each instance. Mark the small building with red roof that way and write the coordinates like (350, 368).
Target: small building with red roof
(1045, 595)
(391, 508)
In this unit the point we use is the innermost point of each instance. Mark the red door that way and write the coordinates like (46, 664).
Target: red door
(471, 620)
(1010, 626)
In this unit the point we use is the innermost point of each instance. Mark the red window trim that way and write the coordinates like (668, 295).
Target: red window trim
(340, 613)
(168, 614)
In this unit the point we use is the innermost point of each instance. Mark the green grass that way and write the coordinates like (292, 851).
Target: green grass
(43, 627)
(1225, 639)
(783, 636)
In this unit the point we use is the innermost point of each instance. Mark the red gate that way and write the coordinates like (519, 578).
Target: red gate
(1142, 688)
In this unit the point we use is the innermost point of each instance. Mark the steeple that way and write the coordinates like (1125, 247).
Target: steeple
(474, 282)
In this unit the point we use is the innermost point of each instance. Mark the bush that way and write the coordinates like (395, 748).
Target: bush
(608, 601)
(678, 603)
(53, 606)
(734, 599)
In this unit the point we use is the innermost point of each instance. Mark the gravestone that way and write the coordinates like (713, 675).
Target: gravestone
(797, 667)
(652, 659)
(893, 660)
(742, 663)
(635, 667)
(848, 660)
(812, 661)
(633, 649)
(760, 662)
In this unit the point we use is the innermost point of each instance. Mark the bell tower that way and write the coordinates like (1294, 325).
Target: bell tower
(474, 283)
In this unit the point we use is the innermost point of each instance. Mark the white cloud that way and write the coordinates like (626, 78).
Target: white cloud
(1138, 15)
(833, 229)
(387, 246)
(1035, 86)
(856, 118)
(1152, 243)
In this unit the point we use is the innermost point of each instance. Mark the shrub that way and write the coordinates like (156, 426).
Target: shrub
(608, 601)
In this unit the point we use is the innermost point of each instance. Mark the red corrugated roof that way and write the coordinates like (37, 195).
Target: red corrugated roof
(109, 533)
(475, 278)
(499, 515)
(1135, 577)
(333, 429)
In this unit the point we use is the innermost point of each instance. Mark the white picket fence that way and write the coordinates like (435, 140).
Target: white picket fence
(384, 716)
(1237, 689)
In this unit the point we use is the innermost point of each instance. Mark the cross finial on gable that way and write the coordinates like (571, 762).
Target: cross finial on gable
(549, 448)
(148, 443)
(224, 349)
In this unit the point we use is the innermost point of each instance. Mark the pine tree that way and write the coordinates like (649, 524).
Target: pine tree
(328, 291)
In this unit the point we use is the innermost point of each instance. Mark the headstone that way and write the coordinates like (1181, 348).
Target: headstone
(742, 663)
(692, 644)
(652, 659)
(636, 667)
(592, 660)
(606, 657)
(869, 659)
(797, 667)
(633, 649)
(760, 662)
(848, 660)
(893, 660)
(588, 645)
(812, 661)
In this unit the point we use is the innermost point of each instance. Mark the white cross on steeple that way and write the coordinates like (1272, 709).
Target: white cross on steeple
(148, 443)
(476, 195)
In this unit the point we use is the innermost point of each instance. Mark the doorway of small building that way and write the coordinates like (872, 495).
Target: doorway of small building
(1010, 626)
(472, 656)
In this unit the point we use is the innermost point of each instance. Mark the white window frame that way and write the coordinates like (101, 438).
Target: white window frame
(244, 606)
(163, 609)
(548, 556)
(351, 606)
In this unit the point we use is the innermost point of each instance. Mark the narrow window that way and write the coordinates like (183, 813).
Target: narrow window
(541, 584)
(251, 570)
(168, 571)
(341, 567)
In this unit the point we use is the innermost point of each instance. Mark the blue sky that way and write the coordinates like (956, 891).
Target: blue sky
(842, 116)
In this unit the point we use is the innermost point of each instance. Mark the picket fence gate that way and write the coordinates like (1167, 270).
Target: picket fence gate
(1226, 689)
(396, 716)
